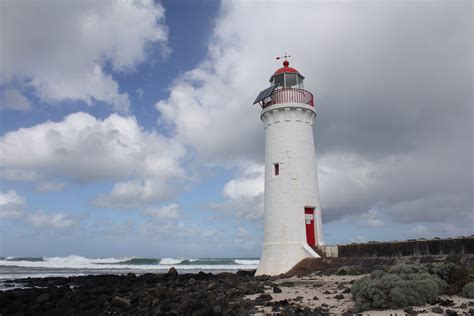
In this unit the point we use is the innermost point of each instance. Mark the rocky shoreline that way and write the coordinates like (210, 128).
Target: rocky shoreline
(196, 294)
(170, 293)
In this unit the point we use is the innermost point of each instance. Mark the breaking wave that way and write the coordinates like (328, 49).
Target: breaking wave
(79, 262)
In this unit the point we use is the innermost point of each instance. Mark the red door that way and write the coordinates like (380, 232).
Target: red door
(309, 220)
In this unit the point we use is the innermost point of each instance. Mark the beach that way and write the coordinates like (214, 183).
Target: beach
(202, 293)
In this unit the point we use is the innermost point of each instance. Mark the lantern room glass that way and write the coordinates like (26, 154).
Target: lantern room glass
(288, 80)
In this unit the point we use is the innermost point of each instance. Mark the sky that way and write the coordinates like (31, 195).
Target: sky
(127, 127)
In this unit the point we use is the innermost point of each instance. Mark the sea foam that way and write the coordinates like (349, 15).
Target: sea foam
(132, 263)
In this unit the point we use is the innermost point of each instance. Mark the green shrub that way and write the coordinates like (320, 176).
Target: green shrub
(341, 271)
(401, 286)
(454, 275)
(468, 290)
(408, 269)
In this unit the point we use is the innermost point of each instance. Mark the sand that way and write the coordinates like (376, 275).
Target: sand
(326, 288)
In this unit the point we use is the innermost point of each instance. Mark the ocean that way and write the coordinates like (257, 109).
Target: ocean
(40, 267)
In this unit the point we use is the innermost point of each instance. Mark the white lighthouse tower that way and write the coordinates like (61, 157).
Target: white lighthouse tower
(292, 209)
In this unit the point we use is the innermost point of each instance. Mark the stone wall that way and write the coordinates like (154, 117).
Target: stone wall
(434, 247)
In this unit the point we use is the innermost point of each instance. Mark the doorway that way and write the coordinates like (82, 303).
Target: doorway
(309, 221)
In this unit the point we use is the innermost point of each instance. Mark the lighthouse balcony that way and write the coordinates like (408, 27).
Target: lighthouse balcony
(288, 95)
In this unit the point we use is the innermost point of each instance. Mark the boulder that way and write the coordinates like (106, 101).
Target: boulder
(172, 272)
(437, 310)
(42, 298)
(119, 301)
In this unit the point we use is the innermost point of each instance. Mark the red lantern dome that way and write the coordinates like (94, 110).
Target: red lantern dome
(286, 69)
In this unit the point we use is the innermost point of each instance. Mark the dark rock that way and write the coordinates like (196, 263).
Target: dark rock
(281, 303)
(191, 282)
(354, 310)
(287, 284)
(212, 286)
(155, 302)
(326, 292)
(172, 272)
(217, 310)
(315, 298)
(471, 311)
(221, 300)
(119, 301)
(324, 305)
(290, 311)
(298, 299)
(408, 310)
(446, 302)
(339, 296)
(346, 291)
(437, 310)
(276, 289)
(450, 312)
(263, 298)
(42, 298)
(249, 273)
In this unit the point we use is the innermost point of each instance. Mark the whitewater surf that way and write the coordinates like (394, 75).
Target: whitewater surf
(73, 265)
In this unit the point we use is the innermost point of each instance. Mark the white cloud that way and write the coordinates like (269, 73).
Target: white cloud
(170, 211)
(139, 92)
(12, 99)
(82, 148)
(166, 231)
(19, 174)
(249, 186)
(371, 219)
(384, 135)
(50, 186)
(244, 195)
(420, 230)
(56, 220)
(11, 205)
(61, 49)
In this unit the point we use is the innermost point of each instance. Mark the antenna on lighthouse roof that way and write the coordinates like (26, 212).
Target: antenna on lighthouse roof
(286, 56)
(285, 63)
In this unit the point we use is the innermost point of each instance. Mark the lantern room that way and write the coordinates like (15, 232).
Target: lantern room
(286, 86)
(287, 77)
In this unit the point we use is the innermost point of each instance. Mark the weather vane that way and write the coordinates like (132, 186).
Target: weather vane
(286, 56)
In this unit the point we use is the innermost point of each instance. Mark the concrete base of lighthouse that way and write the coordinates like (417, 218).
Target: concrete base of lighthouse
(278, 258)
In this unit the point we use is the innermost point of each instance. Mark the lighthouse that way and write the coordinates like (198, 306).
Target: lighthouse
(291, 207)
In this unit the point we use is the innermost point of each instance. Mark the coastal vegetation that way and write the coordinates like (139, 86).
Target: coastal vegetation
(468, 290)
(410, 285)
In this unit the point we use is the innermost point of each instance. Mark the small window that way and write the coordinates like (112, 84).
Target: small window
(276, 169)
